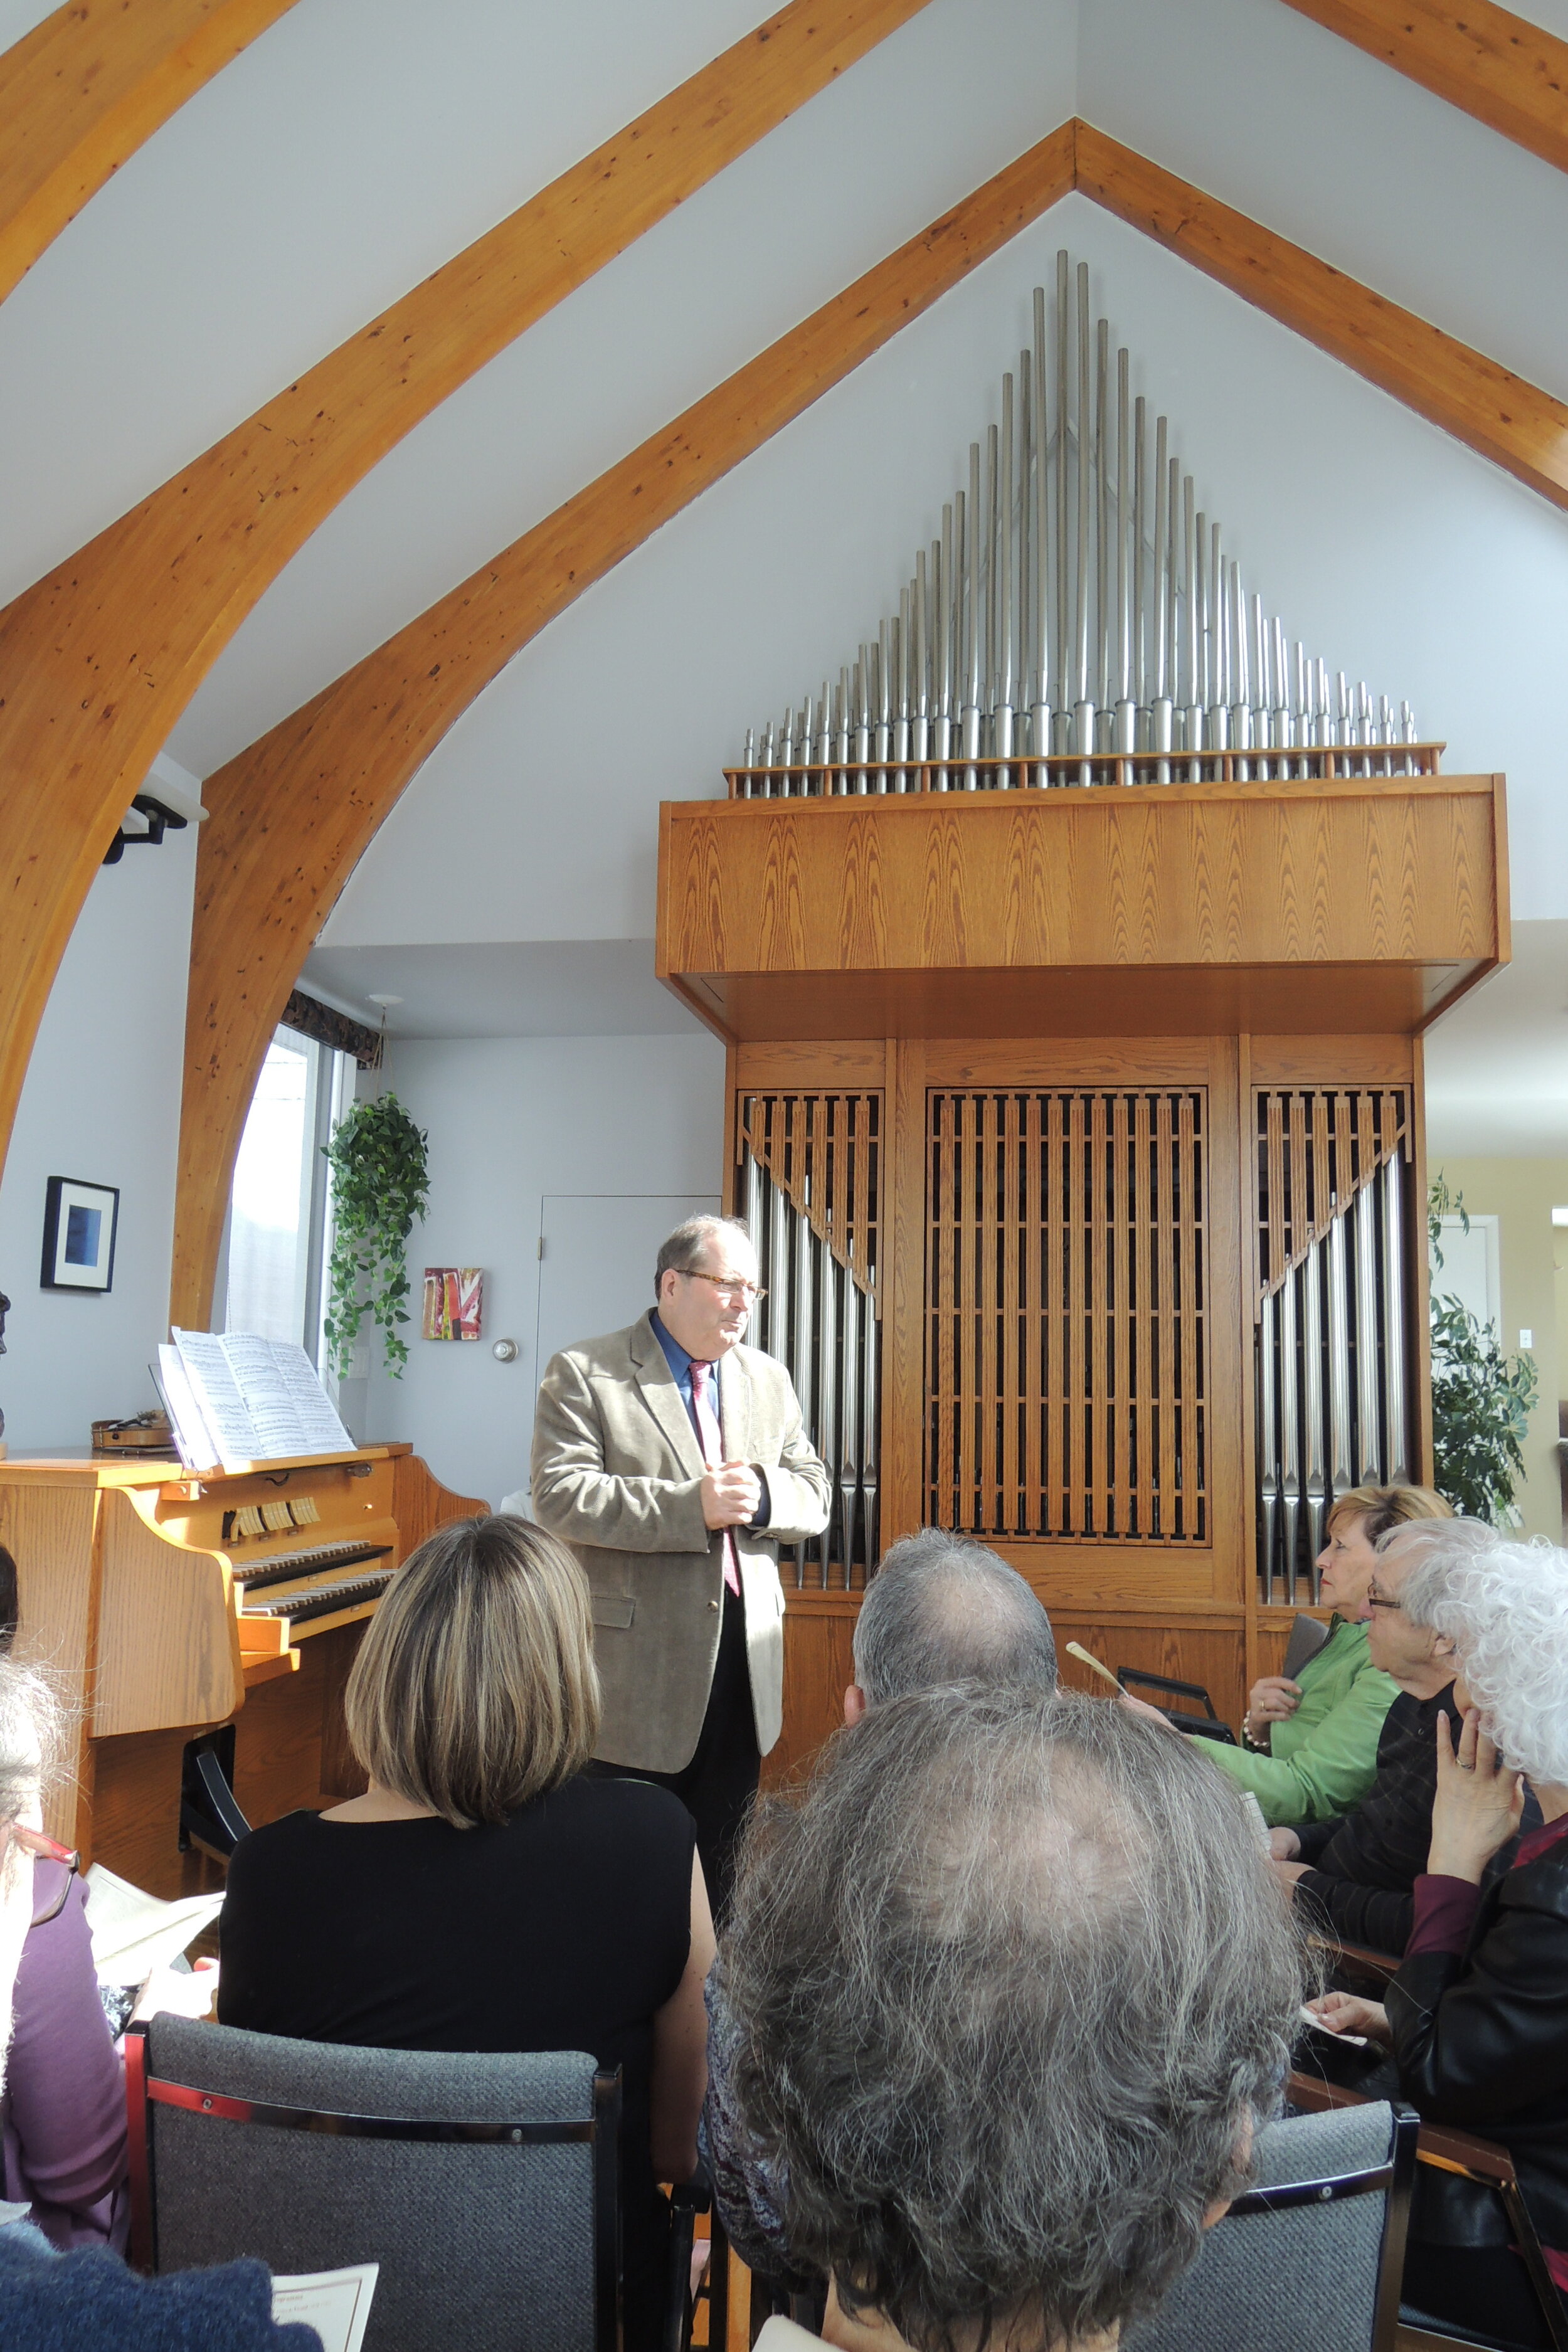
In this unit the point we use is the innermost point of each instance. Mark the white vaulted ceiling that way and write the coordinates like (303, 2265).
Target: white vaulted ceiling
(359, 143)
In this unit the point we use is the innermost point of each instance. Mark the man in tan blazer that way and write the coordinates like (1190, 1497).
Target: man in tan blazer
(675, 1502)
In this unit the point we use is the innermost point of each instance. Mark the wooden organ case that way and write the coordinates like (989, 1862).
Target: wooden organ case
(1079, 1125)
(201, 1630)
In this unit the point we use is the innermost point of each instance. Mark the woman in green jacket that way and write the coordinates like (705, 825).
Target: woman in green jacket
(1310, 1746)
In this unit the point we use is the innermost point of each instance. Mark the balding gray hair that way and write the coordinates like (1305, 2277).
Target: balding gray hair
(944, 1609)
(1013, 1985)
(680, 1250)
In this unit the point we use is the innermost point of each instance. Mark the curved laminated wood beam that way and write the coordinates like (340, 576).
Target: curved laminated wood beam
(82, 90)
(1513, 423)
(291, 813)
(1508, 73)
(99, 659)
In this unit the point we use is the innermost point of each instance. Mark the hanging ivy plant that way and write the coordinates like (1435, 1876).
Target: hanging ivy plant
(380, 1185)
(1481, 1399)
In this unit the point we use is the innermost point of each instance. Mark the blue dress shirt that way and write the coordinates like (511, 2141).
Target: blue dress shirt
(680, 1362)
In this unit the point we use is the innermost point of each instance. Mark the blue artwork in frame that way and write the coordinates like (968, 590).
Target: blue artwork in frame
(79, 1222)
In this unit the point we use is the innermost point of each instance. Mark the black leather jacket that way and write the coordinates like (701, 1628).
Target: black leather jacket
(1481, 2041)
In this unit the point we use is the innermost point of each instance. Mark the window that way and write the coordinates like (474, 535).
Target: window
(280, 1208)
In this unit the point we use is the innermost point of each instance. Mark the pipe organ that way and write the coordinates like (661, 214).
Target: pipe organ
(1073, 955)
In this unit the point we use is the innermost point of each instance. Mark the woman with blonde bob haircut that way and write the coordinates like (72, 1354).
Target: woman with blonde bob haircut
(486, 1892)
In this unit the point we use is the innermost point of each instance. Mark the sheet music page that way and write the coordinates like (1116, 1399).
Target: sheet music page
(223, 1406)
(193, 1440)
(315, 1411)
(336, 2303)
(253, 1362)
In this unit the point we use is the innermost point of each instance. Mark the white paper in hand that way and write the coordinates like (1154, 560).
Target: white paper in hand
(133, 1932)
(336, 2303)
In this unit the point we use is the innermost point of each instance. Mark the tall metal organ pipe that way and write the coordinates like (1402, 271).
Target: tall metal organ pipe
(1075, 604)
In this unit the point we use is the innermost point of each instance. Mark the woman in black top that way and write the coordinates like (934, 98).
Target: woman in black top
(483, 1894)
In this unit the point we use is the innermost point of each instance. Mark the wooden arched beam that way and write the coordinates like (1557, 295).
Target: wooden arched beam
(1503, 417)
(1508, 73)
(83, 89)
(292, 812)
(99, 659)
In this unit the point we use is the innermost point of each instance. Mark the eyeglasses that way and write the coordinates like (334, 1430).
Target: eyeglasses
(49, 1900)
(1377, 1599)
(749, 1293)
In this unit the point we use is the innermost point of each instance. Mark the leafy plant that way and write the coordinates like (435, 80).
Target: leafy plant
(380, 1185)
(1481, 1399)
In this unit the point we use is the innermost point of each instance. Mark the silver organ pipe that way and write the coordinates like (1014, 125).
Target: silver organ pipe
(818, 1316)
(1333, 1345)
(1075, 609)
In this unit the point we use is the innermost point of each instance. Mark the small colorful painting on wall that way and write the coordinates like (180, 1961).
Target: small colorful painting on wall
(454, 1301)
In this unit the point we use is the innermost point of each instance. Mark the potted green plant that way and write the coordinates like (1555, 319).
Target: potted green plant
(1481, 1399)
(380, 1185)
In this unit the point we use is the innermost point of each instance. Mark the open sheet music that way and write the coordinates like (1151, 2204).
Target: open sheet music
(233, 1399)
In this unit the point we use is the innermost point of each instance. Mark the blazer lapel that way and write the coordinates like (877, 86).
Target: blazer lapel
(662, 1398)
(735, 1408)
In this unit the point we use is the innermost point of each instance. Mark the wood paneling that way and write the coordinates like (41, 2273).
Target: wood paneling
(820, 1666)
(1211, 1655)
(82, 90)
(101, 656)
(1512, 422)
(1083, 1001)
(1501, 67)
(1353, 894)
(292, 812)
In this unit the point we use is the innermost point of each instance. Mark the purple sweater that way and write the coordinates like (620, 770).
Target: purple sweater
(64, 2104)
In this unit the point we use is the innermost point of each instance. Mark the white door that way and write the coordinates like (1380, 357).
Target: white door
(596, 1253)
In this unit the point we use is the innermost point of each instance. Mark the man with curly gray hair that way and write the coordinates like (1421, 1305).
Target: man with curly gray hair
(1013, 1989)
(1477, 2018)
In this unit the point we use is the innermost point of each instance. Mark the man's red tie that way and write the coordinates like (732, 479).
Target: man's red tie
(712, 1445)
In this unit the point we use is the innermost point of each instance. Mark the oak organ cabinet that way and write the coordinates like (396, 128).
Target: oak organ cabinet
(1080, 1132)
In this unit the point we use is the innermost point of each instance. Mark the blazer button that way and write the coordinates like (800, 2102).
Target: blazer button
(712, 1604)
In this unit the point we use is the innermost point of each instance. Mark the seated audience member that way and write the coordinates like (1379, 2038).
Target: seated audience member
(1309, 1749)
(64, 2105)
(487, 1893)
(945, 1609)
(942, 1608)
(1359, 1874)
(62, 2116)
(87, 2301)
(1012, 1989)
(1477, 2018)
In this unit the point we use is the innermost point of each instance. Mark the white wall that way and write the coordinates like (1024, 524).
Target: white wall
(511, 1119)
(102, 1102)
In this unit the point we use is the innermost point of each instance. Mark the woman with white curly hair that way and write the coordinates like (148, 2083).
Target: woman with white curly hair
(1477, 2018)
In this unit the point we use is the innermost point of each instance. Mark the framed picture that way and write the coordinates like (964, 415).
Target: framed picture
(454, 1302)
(79, 1222)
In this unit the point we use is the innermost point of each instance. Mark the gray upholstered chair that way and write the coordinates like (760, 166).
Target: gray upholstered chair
(485, 2187)
(1309, 2258)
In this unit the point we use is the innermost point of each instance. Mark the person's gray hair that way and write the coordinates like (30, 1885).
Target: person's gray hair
(944, 1609)
(682, 1249)
(30, 1736)
(1012, 1986)
(1504, 1604)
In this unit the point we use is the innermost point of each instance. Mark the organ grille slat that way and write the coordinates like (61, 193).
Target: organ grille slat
(1065, 1351)
(1333, 1168)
